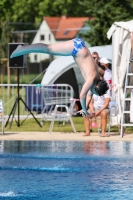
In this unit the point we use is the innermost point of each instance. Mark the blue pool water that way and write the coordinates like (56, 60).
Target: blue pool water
(68, 170)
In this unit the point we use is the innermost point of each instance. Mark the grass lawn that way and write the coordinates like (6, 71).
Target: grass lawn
(30, 125)
(24, 78)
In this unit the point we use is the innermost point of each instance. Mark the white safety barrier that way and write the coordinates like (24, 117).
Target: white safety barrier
(31, 94)
(59, 104)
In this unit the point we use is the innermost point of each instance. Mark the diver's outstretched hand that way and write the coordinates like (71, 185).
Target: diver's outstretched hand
(83, 113)
(17, 52)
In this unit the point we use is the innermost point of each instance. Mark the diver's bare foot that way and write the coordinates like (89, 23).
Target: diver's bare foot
(15, 53)
(86, 134)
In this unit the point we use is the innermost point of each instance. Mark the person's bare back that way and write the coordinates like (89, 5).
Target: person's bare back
(86, 63)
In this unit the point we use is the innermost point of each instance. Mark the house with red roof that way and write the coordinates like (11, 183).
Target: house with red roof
(57, 29)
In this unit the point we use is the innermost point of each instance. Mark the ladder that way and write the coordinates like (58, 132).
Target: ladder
(126, 99)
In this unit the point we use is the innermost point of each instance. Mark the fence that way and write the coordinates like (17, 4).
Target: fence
(31, 95)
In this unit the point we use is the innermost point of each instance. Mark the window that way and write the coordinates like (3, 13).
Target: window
(35, 57)
(42, 37)
(66, 32)
(49, 37)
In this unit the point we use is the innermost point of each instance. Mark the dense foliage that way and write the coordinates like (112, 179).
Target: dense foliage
(106, 13)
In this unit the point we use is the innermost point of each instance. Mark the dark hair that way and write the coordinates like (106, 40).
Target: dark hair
(101, 66)
(95, 53)
(101, 87)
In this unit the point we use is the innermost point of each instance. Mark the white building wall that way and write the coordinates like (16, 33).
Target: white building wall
(43, 30)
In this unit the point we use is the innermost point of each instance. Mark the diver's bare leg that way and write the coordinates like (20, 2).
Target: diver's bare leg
(61, 48)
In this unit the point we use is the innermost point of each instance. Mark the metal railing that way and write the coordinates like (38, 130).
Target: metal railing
(31, 95)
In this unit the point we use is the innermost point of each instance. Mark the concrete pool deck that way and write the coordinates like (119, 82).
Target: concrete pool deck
(44, 136)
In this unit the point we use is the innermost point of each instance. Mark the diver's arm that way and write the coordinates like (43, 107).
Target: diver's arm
(86, 87)
(88, 100)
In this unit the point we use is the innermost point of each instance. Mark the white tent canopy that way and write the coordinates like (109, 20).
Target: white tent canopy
(121, 46)
(60, 65)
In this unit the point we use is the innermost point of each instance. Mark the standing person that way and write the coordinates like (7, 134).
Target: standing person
(83, 58)
(101, 70)
(108, 73)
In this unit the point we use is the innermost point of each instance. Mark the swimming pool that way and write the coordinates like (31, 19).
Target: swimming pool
(52, 170)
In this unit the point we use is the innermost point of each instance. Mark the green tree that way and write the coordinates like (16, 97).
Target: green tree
(24, 17)
(62, 7)
(4, 39)
(27, 15)
(25, 11)
(105, 13)
(6, 9)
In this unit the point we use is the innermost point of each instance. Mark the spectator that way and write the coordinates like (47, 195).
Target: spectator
(101, 70)
(108, 73)
(98, 107)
